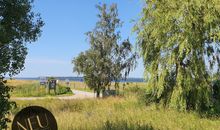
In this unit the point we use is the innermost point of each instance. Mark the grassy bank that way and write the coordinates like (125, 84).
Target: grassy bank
(126, 113)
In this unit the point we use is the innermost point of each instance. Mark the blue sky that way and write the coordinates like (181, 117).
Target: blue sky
(63, 36)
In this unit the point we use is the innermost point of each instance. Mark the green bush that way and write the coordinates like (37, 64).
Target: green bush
(215, 108)
(63, 89)
(5, 104)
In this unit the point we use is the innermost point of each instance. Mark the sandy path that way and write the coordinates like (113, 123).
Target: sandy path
(77, 95)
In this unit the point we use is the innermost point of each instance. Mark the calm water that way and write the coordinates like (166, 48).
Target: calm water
(80, 79)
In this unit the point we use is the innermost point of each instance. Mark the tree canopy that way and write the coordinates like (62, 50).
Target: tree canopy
(107, 59)
(18, 26)
(179, 43)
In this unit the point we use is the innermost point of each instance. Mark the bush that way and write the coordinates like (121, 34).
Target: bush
(5, 104)
(215, 108)
(216, 90)
(63, 90)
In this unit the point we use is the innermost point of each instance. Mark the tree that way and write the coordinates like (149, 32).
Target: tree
(179, 43)
(106, 60)
(18, 25)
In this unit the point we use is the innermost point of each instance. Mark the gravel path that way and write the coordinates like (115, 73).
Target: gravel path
(77, 95)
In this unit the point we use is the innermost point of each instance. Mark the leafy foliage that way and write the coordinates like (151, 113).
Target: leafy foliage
(4, 104)
(18, 25)
(179, 41)
(106, 60)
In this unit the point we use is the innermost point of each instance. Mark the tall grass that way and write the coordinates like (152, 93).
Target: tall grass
(127, 112)
(119, 114)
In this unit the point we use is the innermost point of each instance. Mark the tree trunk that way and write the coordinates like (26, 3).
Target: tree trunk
(98, 93)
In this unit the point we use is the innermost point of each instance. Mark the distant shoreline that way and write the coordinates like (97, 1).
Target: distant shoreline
(78, 79)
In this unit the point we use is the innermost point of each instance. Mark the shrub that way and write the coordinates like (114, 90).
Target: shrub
(5, 104)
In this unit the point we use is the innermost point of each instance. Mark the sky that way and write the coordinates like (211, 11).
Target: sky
(63, 35)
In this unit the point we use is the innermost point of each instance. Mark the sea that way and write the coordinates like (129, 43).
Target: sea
(78, 79)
